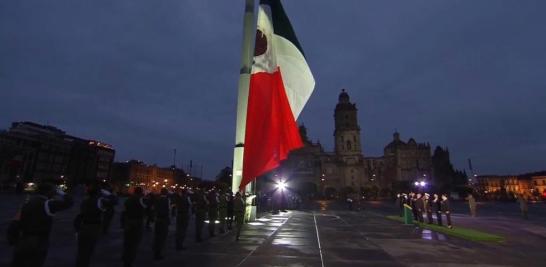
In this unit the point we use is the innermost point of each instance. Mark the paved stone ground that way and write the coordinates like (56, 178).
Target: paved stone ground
(322, 235)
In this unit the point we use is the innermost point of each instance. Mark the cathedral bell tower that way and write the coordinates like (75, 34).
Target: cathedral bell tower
(347, 131)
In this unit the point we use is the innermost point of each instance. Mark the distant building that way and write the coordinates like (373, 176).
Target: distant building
(501, 186)
(347, 169)
(34, 152)
(151, 177)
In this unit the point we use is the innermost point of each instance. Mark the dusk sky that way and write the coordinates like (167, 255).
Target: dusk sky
(149, 76)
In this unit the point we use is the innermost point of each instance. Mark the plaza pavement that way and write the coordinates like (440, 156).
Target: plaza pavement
(322, 235)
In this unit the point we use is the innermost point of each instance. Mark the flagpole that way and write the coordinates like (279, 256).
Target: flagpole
(242, 100)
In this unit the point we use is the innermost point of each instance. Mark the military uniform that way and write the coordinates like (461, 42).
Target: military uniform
(200, 208)
(420, 207)
(229, 211)
(446, 209)
(183, 212)
(437, 206)
(108, 214)
(133, 225)
(428, 208)
(239, 212)
(222, 212)
(35, 226)
(162, 208)
(212, 212)
(90, 226)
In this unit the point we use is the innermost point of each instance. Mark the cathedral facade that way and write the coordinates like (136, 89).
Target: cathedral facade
(347, 168)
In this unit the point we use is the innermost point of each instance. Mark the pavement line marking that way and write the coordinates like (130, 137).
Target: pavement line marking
(267, 238)
(318, 240)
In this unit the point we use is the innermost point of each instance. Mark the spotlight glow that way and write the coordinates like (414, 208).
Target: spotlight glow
(281, 185)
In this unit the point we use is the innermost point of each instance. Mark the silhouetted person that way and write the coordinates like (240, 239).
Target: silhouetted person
(89, 222)
(446, 209)
(183, 212)
(400, 204)
(428, 207)
(36, 219)
(472, 205)
(108, 214)
(420, 206)
(212, 212)
(162, 207)
(239, 212)
(229, 210)
(133, 225)
(200, 206)
(413, 200)
(523, 206)
(437, 207)
(150, 212)
(222, 212)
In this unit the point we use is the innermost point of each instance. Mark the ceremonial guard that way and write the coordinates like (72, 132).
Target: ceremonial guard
(183, 213)
(200, 206)
(108, 214)
(472, 205)
(400, 204)
(229, 209)
(212, 212)
(162, 208)
(239, 212)
(437, 207)
(428, 208)
(34, 225)
(523, 206)
(412, 200)
(222, 212)
(88, 222)
(133, 224)
(446, 209)
(420, 206)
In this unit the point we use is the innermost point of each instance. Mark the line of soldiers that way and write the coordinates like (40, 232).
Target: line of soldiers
(212, 206)
(29, 231)
(422, 203)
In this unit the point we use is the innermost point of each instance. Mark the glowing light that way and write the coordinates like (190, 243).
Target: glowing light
(423, 183)
(281, 185)
(416, 183)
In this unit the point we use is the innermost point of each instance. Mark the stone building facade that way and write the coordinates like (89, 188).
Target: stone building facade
(347, 168)
(31, 152)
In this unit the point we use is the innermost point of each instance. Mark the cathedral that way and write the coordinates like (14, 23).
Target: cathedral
(347, 169)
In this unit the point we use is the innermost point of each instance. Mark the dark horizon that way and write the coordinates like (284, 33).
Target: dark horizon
(150, 77)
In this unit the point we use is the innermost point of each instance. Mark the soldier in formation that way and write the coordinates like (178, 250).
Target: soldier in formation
(446, 210)
(239, 212)
(183, 213)
(133, 224)
(428, 208)
(162, 206)
(31, 234)
(89, 222)
(35, 222)
(212, 212)
(222, 212)
(200, 206)
(472, 205)
(437, 207)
